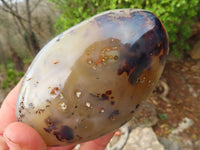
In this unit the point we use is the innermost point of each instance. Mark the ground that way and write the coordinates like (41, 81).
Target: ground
(179, 97)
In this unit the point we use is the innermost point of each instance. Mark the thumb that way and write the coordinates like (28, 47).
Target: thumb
(20, 136)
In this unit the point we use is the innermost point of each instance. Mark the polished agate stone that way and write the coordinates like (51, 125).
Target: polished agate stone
(91, 79)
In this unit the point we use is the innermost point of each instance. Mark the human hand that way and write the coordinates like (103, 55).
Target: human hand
(19, 136)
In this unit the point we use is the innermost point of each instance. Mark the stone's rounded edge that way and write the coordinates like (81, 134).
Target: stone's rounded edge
(126, 10)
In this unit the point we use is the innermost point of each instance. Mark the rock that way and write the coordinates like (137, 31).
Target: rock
(169, 145)
(186, 123)
(197, 144)
(107, 65)
(143, 139)
(195, 51)
(176, 135)
(119, 139)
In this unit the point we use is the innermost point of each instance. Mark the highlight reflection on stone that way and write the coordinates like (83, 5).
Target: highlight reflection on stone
(92, 78)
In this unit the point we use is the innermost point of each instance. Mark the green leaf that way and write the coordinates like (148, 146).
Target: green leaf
(163, 117)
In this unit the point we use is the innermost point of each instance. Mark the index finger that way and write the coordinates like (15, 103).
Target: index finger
(8, 108)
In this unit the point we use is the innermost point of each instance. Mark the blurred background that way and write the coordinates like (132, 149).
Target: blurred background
(173, 110)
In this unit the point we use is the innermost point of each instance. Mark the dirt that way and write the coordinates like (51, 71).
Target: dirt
(177, 98)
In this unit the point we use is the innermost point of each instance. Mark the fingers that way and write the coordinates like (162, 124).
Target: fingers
(98, 144)
(7, 111)
(20, 136)
(3, 145)
(61, 148)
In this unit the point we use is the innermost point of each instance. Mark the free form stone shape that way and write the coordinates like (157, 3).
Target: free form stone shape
(92, 78)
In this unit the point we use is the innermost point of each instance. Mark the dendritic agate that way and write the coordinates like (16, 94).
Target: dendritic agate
(92, 78)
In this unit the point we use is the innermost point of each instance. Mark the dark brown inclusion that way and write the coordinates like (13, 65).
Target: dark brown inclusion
(137, 55)
(114, 113)
(137, 106)
(105, 96)
(78, 136)
(109, 92)
(51, 125)
(66, 133)
(112, 102)
(102, 97)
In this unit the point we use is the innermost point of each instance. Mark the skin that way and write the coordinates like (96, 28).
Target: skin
(19, 136)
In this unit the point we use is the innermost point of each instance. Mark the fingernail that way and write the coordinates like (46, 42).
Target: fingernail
(3, 145)
(11, 144)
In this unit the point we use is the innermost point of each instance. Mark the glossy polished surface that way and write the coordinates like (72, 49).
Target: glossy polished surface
(92, 78)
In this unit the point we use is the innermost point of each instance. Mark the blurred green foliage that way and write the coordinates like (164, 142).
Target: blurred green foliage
(163, 117)
(12, 76)
(177, 15)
